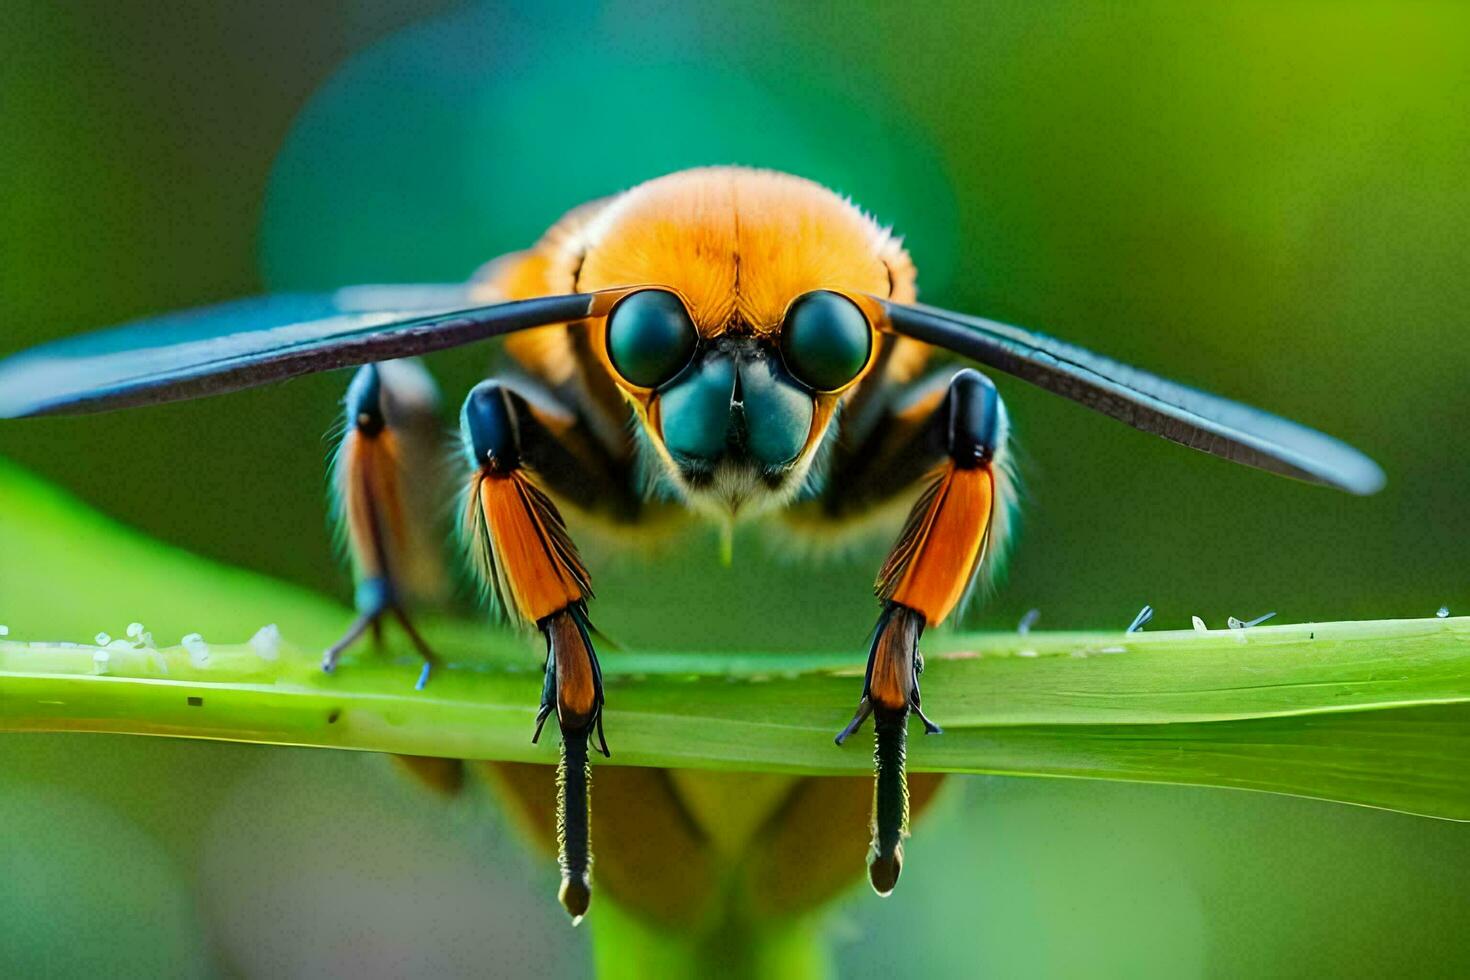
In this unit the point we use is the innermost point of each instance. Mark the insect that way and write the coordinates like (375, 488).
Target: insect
(730, 342)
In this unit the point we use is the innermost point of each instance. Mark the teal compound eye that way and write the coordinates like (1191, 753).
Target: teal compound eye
(826, 340)
(650, 337)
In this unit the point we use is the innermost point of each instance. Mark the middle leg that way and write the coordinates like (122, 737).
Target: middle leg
(385, 475)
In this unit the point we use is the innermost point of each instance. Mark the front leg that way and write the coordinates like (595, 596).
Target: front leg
(533, 575)
(952, 436)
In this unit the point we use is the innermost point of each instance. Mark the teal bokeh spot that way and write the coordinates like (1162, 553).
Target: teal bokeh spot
(466, 137)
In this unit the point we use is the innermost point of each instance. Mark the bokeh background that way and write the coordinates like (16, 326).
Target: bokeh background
(1269, 200)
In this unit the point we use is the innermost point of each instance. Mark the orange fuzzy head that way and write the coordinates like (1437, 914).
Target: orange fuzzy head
(742, 320)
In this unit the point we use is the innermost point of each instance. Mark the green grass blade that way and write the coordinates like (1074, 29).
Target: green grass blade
(1369, 713)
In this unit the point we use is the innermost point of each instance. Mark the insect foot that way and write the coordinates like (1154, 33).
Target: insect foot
(890, 693)
(573, 691)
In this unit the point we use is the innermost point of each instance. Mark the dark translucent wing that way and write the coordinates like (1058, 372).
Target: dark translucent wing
(1177, 412)
(254, 341)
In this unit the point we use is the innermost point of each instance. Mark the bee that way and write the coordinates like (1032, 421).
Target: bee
(733, 343)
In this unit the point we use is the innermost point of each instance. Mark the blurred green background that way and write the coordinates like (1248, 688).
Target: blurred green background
(1268, 200)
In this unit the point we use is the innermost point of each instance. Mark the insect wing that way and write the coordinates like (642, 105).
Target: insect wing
(254, 341)
(1145, 401)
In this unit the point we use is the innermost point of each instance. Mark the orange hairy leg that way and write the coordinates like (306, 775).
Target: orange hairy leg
(524, 548)
(515, 440)
(936, 557)
(384, 477)
(946, 434)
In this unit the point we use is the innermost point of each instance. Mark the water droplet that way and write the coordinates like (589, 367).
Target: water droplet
(102, 639)
(1443, 612)
(954, 655)
(267, 642)
(135, 630)
(198, 649)
(100, 661)
(1199, 624)
(4, 630)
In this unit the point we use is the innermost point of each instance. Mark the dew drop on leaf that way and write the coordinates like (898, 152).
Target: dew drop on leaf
(267, 642)
(198, 649)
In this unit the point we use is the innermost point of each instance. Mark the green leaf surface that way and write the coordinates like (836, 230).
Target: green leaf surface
(1374, 713)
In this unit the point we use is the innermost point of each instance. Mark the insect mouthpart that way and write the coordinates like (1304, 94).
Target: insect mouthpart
(736, 405)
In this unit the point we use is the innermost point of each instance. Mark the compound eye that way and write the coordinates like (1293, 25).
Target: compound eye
(650, 337)
(826, 340)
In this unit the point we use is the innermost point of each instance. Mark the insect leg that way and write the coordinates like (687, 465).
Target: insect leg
(952, 435)
(533, 575)
(384, 474)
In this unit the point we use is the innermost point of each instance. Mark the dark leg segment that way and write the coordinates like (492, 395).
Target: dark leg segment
(574, 839)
